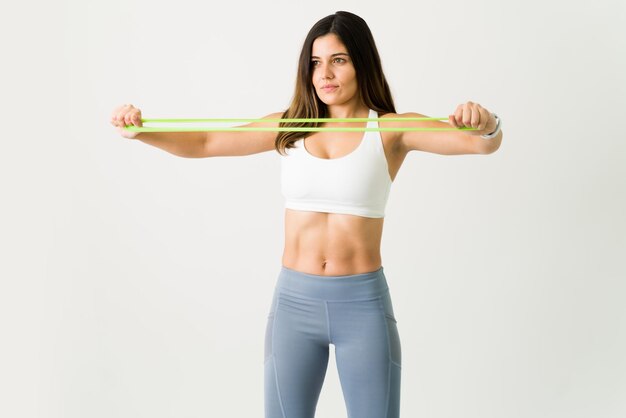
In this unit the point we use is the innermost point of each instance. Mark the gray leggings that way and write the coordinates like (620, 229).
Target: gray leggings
(352, 312)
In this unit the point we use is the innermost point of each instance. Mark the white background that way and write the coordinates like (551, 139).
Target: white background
(135, 283)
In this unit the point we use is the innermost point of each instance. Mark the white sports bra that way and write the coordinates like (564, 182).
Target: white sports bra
(355, 184)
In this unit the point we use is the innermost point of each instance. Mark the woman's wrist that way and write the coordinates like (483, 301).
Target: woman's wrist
(495, 132)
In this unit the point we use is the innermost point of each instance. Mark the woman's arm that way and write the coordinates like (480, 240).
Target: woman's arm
(450, 142)
(198, 144)
(182, 144)
(229, 144)
(203, 144)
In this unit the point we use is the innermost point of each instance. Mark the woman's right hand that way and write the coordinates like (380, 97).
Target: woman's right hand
(126, 115)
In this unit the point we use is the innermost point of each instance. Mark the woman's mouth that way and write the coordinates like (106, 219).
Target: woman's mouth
(329, 88)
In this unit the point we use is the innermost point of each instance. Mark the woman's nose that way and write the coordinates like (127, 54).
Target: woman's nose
(326, 72)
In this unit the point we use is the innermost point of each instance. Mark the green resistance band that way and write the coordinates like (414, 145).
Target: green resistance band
(286, 128)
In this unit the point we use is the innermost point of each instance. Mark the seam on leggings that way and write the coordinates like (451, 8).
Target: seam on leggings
(388, 395)
(382, 310)
(288, 293)
(280, 399)
(388, 390)
(330, 341)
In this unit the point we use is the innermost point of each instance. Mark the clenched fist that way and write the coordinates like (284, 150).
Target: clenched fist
(126, 115)
(475, 116)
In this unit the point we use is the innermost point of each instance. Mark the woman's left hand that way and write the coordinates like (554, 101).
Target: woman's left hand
(473, 115)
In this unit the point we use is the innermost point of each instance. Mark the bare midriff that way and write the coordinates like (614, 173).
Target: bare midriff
(334, 244)
(331, 244)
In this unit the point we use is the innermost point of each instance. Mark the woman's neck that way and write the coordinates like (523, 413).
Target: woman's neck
(348, 110)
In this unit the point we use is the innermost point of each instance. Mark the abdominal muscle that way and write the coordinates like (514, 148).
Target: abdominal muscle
(334, 244)
(331, 244)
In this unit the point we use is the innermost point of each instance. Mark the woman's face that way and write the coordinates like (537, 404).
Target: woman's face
(333, 74)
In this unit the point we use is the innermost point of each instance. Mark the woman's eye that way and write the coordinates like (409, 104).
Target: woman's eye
(335, 60)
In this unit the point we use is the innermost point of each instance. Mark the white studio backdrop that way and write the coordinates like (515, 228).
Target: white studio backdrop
(134, 283)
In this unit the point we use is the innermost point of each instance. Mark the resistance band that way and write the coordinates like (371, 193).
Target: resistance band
(134, 128)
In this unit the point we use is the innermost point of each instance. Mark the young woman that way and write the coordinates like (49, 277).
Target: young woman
(331, 288)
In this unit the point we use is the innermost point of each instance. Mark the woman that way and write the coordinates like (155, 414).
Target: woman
(331, 288)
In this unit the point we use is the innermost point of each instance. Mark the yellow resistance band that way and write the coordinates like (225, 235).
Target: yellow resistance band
(285, 128)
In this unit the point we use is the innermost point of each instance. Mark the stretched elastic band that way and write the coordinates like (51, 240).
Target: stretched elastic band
(231, 120)
(286, 128)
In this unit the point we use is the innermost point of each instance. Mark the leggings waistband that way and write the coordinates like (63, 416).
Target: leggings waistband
(361, 286)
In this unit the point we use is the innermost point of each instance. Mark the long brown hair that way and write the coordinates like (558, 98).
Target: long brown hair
(373, 87)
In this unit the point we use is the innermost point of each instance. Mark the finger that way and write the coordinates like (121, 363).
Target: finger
(482, 118)
(452, 121)
(475, 117)
(467, 115)
(485, 116)
(120, 113)
(120, 110)
(127, 118)
(119, 117)
(131, 116)
(458, 116)
(130, 113)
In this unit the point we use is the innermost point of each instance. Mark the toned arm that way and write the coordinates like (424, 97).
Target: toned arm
(182, 144)
(221, 144)
(441, 142)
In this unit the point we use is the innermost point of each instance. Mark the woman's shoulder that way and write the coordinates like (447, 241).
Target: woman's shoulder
(273, 115)
(402, 115)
